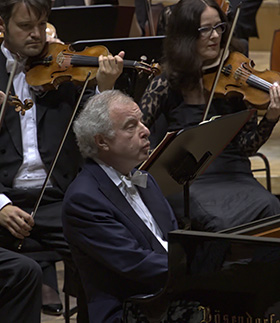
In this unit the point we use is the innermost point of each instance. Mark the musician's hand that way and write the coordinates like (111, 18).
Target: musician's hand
(17, 221)
(273, 111)
(2, 97)
(110, 68)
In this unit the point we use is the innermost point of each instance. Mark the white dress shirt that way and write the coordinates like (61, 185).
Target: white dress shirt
(134, 199)
(32, 172)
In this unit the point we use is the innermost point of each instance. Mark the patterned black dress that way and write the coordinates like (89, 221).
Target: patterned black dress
(227, 194)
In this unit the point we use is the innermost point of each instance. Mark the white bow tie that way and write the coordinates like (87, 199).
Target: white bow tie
(138, 178)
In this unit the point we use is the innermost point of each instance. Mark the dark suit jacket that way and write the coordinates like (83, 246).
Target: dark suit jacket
(117, 255)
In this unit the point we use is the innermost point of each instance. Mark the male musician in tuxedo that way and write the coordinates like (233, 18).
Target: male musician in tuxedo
(28, 143)
(116, 223)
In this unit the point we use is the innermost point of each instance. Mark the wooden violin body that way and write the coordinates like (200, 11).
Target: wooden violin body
(59, 66)
(62, 64)
(238, 77)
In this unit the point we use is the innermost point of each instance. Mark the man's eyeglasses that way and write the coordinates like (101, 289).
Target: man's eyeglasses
(206, 32)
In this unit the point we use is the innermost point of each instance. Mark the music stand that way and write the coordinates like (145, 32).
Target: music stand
(184, 155)
(75, 23)
(136, 48)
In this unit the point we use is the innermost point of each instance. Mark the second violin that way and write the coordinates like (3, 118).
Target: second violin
(238, 77)
(61, 64)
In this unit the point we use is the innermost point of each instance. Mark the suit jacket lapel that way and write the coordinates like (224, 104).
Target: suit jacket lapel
(156, 209)
(111, 191)
(11, 118)
(40, 109)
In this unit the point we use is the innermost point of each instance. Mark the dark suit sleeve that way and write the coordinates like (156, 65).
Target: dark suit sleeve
(104, 235)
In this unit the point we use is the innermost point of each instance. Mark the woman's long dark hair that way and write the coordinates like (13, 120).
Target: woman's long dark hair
(181, 62)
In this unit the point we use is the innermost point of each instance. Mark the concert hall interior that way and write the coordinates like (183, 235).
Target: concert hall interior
(128, 32)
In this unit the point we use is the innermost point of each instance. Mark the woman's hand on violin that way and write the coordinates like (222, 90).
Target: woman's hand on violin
(273, 111)
(110, 68)
(17, 221)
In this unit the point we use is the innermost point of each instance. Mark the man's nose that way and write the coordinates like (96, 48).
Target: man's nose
(35, 32)
(145, 130)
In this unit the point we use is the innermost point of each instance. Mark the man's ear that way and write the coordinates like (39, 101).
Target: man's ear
(101, 142)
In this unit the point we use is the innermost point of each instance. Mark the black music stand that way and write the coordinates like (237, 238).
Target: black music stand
(136, 48)
(184, 155)
(75, 23)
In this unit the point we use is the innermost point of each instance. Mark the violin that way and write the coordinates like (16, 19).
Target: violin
(238, 77)
(21, 107)
(62, 64)
(13, 100)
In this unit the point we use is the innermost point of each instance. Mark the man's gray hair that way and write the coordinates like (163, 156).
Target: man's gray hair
(95, 119)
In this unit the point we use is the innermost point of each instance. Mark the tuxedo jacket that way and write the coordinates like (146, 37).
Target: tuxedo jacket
(115, 252)
(53, 111)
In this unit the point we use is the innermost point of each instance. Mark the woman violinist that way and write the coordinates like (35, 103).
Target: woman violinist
(227, 194)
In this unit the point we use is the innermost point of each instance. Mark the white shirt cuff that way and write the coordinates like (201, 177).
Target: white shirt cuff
(4, 200)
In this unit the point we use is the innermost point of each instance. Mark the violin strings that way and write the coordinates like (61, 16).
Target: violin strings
(249, 77)
(82, 59)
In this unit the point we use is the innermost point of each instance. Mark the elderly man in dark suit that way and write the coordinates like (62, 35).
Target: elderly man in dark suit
(115, 218)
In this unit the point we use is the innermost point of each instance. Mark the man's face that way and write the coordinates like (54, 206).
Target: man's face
(25, 33)
(130, 145)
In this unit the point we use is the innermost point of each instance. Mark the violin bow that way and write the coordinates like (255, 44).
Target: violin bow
(33, 213)
(221, 62)
(9, 85)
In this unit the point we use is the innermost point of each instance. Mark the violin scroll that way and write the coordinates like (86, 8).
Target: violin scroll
(153, 69)
(13, 100)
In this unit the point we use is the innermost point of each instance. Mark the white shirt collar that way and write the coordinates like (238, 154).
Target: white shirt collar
(11, 59)
(110, 171)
